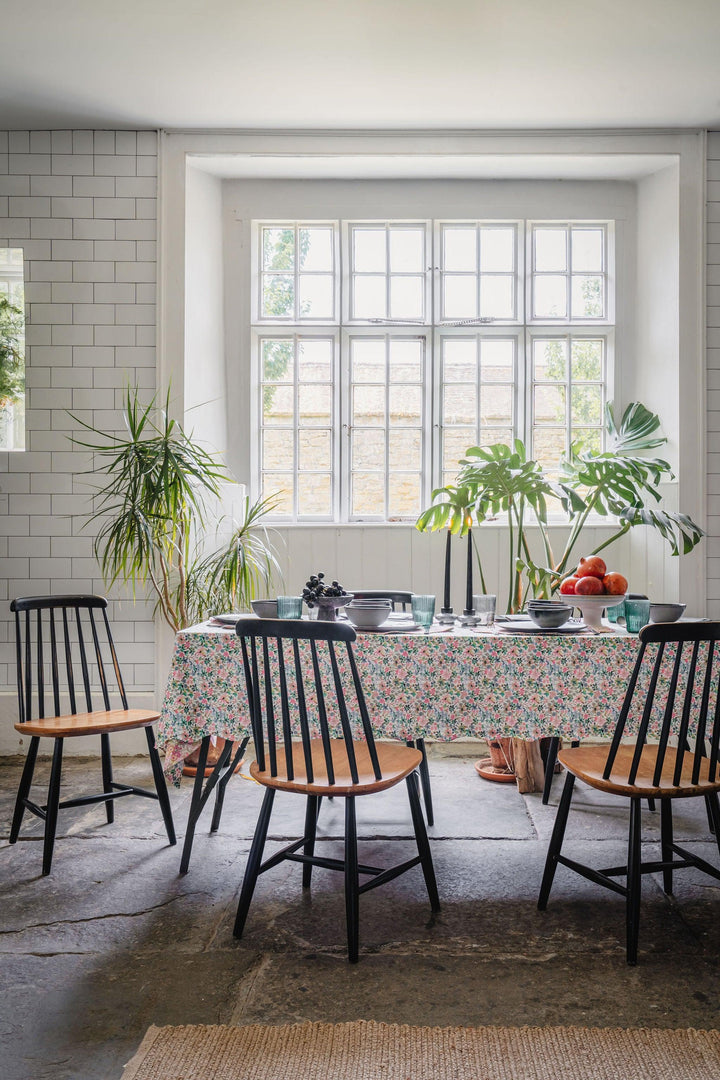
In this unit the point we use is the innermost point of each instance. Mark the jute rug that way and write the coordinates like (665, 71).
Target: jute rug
(366, 1050)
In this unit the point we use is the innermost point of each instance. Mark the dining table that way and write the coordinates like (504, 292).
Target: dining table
(448, 684)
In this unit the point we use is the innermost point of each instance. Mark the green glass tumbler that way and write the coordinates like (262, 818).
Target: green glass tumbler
(637, 615)
(423, 610)
(289, 607)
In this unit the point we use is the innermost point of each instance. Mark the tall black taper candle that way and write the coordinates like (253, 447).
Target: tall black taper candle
(446, 609)
(469, 593)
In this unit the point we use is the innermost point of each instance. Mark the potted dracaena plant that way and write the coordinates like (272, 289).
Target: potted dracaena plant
(155, 500)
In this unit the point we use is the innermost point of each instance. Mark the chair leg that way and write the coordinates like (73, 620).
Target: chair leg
(252, 868)
(161, 786)
(51, 810)
(666, 841)
(634, 880)
(421, 839)
(223, 763)
(424, 770)
(312, 810)
(195, 805)
(710, 817)
(552, 753)
(24, 788)
(352, 882)
(556, 840)
(713, 811)
(107, 776)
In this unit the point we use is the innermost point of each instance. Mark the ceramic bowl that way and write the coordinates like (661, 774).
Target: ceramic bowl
(368, 615)
(666, 612)
(264, 609)
(548, 617)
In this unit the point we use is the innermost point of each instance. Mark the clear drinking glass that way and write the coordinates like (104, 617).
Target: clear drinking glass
(289, 607)
(637, 615)
(423, 611)
(484, 606)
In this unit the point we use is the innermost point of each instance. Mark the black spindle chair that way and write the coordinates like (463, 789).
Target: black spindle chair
(314, 698)
(402, 601)
(66, 658)
(682, 764)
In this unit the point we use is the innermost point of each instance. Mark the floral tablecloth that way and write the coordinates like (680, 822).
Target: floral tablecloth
(437, 686)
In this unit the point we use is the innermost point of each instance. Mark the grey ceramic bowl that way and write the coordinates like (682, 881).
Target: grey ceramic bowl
(367, 615)
(264, 609)
(549, 618)
(666, 612)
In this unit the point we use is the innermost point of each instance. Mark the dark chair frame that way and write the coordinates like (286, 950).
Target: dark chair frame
(667, 781)
(275, 768)
(403, 600)
(71, 677)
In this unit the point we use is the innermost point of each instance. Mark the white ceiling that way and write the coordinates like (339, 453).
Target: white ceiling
(418, 64)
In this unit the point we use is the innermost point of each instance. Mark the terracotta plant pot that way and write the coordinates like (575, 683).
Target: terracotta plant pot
(214, 752)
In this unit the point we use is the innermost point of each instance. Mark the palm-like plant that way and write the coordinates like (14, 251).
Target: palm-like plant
(154, 512)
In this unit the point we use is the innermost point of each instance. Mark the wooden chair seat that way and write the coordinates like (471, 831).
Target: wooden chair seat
(91, 723)
(588, 764)
(396, 762)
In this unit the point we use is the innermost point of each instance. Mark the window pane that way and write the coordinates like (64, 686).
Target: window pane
(403, 495)
(586, 406)
(550, 249)
(278, 249)
(314, 449)
(550, 297)
(460, 249)
(497, 300)
(489, 436)
(460, 404)
(278, 299)
(368, 361)
(497, 250)
(455, 442)
(587, 250)
(406, 361)
(277, 361)
(587, 297)
(459, 360)
(549, 404)
(406, 297)
(315, 361)
(591, 440)
(549, 360)
(407, 251)
(316, 296)
(586, 359)
(369, 405)
(460, 297)
(368, 494)
(549, 447)
(369, 251)
(280, 486)
(316, 249)
(278, 404)
(315, 405)
(314, 495)
(496, 406)
(277, 449)
(368, 448)
(497, 360)
(405, 405)
(405, 449)
(369, 298)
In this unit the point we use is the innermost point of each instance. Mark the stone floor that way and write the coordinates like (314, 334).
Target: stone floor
(115, 940)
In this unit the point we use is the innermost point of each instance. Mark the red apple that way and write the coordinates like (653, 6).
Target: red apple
(615, 584)
(589, 586)
(568, 586)
(592, 566)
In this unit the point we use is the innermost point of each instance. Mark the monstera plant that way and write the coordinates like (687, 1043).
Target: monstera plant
(618, 484)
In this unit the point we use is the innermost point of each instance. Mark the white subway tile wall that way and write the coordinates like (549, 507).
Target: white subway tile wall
(82, 205)
(713, 374)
